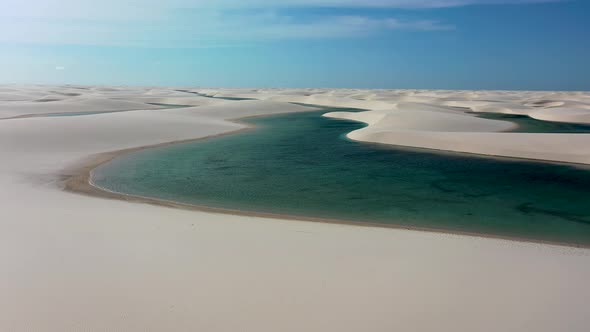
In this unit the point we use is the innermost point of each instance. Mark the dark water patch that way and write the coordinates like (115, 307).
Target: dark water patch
(299, 164)
(67, 94)
(216, 97)
(47, 100)
(169, 105)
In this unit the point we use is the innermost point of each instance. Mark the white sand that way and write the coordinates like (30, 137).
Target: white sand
(439, 125)
(76, 263)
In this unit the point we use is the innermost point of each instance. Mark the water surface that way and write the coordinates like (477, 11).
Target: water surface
(302, 165)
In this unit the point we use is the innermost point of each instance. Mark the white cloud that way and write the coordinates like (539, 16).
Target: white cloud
(202, 29)
(142, 9)
(60, 68)
(201, 23)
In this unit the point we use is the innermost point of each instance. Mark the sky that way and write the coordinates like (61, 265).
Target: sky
(392, 44)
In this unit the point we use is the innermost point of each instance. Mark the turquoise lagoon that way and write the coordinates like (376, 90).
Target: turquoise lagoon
(302, 165)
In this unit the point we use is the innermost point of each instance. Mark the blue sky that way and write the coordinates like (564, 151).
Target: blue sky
(444, 44)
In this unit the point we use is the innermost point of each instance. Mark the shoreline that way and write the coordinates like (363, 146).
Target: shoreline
(78, 179)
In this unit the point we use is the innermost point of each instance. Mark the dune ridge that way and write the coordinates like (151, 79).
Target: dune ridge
(444, 127)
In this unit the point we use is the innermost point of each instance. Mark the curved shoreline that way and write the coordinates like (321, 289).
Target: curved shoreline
(78, 179)
(464, 135)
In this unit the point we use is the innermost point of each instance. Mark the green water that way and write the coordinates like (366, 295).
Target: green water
(169, 105)
(75, 113)
(302, 165)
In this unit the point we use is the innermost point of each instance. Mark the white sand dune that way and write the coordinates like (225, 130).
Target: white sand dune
(562, 114)
(503, 107)
(189, 100)
(246, 108)
(9, 96)
(544, 103)
(332, 101)
(71, 105)
(77, 263)
(408, 119)
(440, 127)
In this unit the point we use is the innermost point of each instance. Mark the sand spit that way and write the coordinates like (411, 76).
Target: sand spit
(74, 262)
(446, 126)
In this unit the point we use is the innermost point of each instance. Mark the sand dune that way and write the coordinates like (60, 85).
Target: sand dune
(562, 114)
(53, 105)
(74, 262)
(408, 119)
(441, 127)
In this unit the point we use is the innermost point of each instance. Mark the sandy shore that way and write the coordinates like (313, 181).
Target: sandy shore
(75, 262)
(440, 128)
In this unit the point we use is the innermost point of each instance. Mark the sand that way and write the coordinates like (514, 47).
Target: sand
(441, 126)
(75, 262)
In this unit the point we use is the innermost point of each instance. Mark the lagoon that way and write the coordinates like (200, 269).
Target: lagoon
(302, 165)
